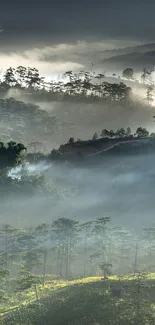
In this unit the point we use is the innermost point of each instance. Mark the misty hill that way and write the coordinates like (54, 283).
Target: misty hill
(26, 123)
(143, 48)
(107, 146)
(77, 106)
(106, 183)
(135, 59)
(137, 146)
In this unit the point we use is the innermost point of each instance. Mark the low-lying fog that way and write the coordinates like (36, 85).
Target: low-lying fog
(122, 188)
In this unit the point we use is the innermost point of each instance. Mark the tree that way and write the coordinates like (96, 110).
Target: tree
(95, 136)
(128, 73)
(99, 86)
(145, 75)
(26, 280)
(136, 258)
(116, 92)
(69, 75)
(21, 73)
(13, 153)
(42, 232)
(104, 133)
(65, 232)
(28, 253)
(142, 132)
(9, 77)
(100, 232)
(106, 269)
(112, 134)
(149, 95)
(87, 230)
(100, 76)
(33, 78)
(128, 131)
(72, 84)
(120, 133)
(123, 244)
(86, 83)
(71, 140)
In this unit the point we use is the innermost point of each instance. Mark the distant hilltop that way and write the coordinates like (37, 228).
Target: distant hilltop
(95, 147)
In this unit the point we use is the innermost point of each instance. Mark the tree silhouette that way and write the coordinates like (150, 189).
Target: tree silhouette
(149, 95)
(128, 73)
(9, 77)
(33, 78)
(105, 133)
(120, 133)
(71, 140)
(142, 132)
(21, 73)
(95, 136)
(128, 131)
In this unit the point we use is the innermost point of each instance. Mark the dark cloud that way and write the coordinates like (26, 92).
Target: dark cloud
(54, 21)
(48, 32)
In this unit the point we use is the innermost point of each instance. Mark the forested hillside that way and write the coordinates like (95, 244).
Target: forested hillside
(76, 208)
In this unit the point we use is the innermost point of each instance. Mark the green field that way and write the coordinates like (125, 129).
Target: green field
(85, 301)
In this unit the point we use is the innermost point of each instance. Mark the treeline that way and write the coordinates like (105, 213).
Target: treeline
(85, 84)
(11, 153)
(69, 248)
(146, 76)
(120, 133)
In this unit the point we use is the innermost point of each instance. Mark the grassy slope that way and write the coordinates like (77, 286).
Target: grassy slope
(73, 302)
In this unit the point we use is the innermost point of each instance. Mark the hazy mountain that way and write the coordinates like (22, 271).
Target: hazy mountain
(143, 48)
(135, 57)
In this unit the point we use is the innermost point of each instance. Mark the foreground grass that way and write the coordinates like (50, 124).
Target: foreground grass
(80, 302)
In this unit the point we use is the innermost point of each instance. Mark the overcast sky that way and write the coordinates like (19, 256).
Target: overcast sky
(48, 32)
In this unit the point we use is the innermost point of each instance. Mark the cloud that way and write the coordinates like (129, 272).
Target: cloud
(51, 22)
(79, 51)
(58, 58)
(45, 68)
